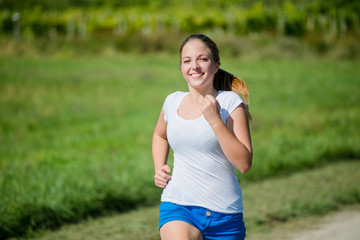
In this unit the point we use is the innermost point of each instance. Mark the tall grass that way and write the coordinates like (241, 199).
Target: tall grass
(75, 136)
(267, 205)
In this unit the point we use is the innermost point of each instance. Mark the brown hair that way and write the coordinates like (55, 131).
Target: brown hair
(223, 80)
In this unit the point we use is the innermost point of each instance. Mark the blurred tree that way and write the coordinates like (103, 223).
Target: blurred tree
(62, 4)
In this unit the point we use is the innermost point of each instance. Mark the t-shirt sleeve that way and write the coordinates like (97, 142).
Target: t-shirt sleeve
(229, 103)
(169, 101)
(235, 101)
(165, 108)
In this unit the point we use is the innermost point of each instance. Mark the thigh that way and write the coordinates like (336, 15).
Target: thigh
(225, 227)
(179, 230)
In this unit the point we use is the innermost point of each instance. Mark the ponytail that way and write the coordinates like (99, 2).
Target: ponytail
(226, 81)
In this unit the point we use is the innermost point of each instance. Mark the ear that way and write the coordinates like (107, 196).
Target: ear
(217, 66)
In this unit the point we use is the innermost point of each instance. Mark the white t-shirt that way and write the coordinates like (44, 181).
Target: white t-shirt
(202, 175)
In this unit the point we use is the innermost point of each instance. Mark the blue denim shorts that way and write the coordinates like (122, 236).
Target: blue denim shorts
(212, 225)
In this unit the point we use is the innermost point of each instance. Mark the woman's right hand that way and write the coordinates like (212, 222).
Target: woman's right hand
(162, 176)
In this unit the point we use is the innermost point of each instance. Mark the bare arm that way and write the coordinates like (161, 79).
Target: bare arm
(160, 153)
(234, 137)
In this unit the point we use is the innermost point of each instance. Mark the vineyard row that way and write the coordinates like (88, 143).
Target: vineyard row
(83, 23)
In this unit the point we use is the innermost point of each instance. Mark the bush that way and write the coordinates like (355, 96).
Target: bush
(289, 18)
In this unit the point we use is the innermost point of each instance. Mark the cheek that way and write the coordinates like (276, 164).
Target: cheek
(210, 67)
(215, 67)
(183, 69)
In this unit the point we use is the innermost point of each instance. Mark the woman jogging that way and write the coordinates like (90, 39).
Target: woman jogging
(208, 130)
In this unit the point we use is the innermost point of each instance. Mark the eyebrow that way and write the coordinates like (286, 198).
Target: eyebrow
(203, 54)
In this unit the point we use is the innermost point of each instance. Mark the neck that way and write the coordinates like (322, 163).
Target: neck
(195, 94)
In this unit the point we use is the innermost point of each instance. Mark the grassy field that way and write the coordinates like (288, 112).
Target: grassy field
(272, 207)
(75, 133)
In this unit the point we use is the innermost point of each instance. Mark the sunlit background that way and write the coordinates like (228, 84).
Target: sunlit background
(82, 83)
(276, 28)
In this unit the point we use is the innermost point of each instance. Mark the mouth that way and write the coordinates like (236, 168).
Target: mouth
(196, 75)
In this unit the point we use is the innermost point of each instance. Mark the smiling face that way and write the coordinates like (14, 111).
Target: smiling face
(197, 65)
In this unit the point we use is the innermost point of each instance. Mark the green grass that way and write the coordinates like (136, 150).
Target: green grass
(268, 204)
(75, 138)
(305, 113)
(75, 133)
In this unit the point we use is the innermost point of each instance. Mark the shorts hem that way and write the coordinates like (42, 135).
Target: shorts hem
(176, 219)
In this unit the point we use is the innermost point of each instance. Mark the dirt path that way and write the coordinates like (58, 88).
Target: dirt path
(344, 225)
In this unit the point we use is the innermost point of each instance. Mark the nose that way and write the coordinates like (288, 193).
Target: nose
(195, 65)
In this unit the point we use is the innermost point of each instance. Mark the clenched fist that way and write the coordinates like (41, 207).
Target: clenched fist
(162, 176)
(210, 108)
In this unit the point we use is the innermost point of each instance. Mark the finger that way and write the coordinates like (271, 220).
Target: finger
(204, 103)
(160, 181)
(213, 100)
(162, 176)
(210, 98)
(160, 184)
(165, 172)
(166, 169)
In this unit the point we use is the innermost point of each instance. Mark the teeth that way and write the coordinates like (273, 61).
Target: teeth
(197, 75)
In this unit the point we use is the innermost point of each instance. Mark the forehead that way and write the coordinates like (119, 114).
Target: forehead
(195, 47)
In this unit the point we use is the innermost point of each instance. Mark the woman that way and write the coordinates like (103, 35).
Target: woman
(208, 130)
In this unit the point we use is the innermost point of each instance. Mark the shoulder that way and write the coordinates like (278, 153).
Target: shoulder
(175, 95)
(173, 98)
(229, 97)
(228, 101)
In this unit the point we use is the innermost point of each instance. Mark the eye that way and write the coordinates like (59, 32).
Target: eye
(186, 61)
(204, 59)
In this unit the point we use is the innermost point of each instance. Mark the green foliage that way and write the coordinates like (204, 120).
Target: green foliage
(295, 24)
(76, 133)
(259, 19)
(89, 18)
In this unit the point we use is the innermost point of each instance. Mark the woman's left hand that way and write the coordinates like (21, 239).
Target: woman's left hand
(210, 108)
